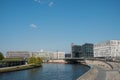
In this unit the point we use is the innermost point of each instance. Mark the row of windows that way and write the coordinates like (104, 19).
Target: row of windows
(108, 43)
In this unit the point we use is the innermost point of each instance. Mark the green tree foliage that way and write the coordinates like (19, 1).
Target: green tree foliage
(40, 60)
(33, 60)
(1, 56)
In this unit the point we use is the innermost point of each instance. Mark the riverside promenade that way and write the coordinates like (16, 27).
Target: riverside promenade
(113, 74)
(17, 68)
(102, 71)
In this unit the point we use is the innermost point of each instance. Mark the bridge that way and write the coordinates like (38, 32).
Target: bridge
(74, 60)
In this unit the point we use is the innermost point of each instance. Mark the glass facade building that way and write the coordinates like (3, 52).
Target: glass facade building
(76, 51)
(86, 50)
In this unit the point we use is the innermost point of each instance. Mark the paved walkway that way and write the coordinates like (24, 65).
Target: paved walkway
(109, 74)
(115, 73)
(101, 74)
(112, 75)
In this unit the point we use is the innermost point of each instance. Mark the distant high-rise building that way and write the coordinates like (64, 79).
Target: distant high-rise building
(109, 48)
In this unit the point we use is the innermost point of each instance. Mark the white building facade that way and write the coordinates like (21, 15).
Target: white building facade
(44, 55)
(61, 55)
(18, 54)
(109, 48)
(57, 55)
(49, 55)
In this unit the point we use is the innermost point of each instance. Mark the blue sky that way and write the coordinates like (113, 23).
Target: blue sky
(31, 25)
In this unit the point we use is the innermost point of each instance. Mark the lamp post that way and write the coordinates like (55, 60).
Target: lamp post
(71, 49)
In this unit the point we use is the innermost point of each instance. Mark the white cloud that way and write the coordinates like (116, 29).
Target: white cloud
(33, 26)
(50, 4)
(39, 1)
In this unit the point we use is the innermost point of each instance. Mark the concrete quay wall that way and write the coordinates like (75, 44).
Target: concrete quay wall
(90, 74)
(101, 64)
(57, 61)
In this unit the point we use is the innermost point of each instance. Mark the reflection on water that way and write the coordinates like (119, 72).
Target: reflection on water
(47, 72)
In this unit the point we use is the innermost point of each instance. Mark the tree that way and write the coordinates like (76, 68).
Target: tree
(33, 60)
(40, 60)
(1, 56)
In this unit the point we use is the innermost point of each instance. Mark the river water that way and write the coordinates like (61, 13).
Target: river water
(48, 72)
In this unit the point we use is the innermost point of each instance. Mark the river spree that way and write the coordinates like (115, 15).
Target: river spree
(48, 72)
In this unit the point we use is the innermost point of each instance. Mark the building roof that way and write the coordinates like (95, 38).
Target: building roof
(17, 51)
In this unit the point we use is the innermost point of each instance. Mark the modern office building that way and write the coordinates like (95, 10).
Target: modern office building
(86, 50)
(18, 54)
(109, 48)
(76, 51)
